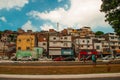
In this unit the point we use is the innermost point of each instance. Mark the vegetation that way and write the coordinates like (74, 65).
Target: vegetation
(1, 34)
(99, 33)
(112, 10)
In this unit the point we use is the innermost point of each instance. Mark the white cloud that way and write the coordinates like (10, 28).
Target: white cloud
(46, 27)
(80, 13)
(59, 0)
(3, 19)
(66, 6)
(28, 26)
(16, 4)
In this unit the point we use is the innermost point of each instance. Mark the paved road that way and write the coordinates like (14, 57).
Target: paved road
(108, 76)
(51, 63)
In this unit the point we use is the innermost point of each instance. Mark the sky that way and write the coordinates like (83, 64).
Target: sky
(40, 15)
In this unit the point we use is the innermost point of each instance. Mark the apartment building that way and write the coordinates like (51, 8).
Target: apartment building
(60, 45)
(25, 42)
(43, 41)
(83, 43)
(87, 43)
(86, 31)
(113, 40)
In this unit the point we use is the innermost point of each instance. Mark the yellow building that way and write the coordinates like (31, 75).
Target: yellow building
(25, 42)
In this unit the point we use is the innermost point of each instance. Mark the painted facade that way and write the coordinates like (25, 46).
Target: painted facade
(25, 42)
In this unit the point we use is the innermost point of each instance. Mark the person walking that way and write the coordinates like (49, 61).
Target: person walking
(94, 58)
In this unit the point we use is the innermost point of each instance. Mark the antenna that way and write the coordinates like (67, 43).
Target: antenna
(58, 26)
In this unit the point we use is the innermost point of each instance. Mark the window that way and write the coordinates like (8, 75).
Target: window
(112, 37)
(44, 43)
(97, 47)
(19, 40)
(65, 37)
(65, 44)
(28, 39)
(54, 38)
(113, 43)
(83, 41)
(19, 48)
(88, 46)
(61, 38)
(61, 41)
(88, 41)
(113, 47)
(81, 45)
(27, 48)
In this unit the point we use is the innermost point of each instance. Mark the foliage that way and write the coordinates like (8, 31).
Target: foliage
(99, 33)
(112, 10)
(1, 34)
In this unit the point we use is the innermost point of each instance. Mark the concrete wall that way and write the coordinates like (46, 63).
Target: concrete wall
(60, 38)
(23, 43)
(43, 45)
(60, 44)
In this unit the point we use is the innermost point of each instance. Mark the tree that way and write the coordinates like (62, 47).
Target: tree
(99, 33)
(112, 10)
(1, 34)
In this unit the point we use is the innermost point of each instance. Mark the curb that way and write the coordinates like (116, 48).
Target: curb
(61, 76)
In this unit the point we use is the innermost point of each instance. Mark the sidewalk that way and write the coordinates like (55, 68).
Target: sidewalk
(61, 76)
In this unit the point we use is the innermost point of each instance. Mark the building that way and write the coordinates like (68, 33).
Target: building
(86, 31)
(25, 42)
(43, 41)
(60, 45)
(83, 43)
(20, 31)
(113, 40)
(88, 44)
(97, 45)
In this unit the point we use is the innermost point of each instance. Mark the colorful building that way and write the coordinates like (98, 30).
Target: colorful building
(26, 42)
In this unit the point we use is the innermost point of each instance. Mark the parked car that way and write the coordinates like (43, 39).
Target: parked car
(108, 57)
(13, 58)
(117, 56)
(58, 59)
(69, 59)
(27, 58)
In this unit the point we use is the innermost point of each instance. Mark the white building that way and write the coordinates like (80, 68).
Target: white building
(87, 43)
(43, 42)
(113, 40)
(57, 43)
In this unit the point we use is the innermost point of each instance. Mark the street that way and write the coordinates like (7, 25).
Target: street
(54, 63)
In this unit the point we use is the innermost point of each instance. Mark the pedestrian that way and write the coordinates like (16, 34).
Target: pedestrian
(114, 54)
(94, 58)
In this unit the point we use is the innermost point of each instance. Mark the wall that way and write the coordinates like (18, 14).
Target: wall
(23, 43)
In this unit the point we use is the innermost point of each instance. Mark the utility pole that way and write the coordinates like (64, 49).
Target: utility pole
(58, 26)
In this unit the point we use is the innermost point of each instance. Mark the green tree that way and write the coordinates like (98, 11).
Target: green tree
(99, 33)
(112, 10)
(1, 34)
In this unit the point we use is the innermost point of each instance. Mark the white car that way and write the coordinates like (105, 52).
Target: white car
(117, 56)
(108, 57)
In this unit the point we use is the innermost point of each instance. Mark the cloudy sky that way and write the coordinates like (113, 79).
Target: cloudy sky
(40, 15)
